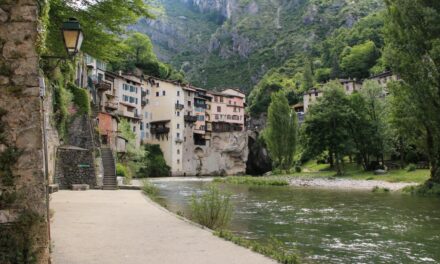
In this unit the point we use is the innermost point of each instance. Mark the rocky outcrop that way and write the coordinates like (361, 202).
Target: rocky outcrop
(226, 155)
(258, 162)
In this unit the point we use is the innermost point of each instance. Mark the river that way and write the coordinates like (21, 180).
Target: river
(328, 226)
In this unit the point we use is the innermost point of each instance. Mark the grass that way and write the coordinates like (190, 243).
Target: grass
(249, 180)
(273, 249)
(150, 189)
(353, 171)
(212, 209)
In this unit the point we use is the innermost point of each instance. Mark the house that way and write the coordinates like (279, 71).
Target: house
(310, 97)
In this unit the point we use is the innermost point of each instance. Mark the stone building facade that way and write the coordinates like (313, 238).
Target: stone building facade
(22, 172)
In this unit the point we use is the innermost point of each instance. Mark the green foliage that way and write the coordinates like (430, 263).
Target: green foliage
(357, 61)
(411, 167)
(273, 249)
(121, 170)
(413, 51)
(427, 189)
(307, 82)
(150, 189)
(212, 209)
(327, 125)
(62, 100)
(153, 163)
(378, 189)
(259, 181)
(280, 133)
(81, 99)
(101, 30)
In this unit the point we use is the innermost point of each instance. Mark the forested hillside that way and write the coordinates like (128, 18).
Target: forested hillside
(223, 43)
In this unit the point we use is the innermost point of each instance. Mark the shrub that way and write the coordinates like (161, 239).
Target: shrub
(149, 189)
(378, 189)
(121, 170)
(411, 167)
(212, 209)
(80, 98)
(153, 163)
(274, 249)
(427, 189)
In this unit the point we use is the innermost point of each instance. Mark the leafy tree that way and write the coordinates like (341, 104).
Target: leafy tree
(281, 131)
(153, 163)
(327, 125)
(412, 35)
(133, 153)
(369, 129)
(103, 22)
(307, 82)
(357, 61)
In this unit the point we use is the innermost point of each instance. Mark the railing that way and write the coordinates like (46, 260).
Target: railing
(103, 86)
(159, 130)
(180, 106)
(179, 140)
(144, 102)
(190, 118)
(143, 93)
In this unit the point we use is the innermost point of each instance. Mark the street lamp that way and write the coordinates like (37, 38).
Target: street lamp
(72, 36)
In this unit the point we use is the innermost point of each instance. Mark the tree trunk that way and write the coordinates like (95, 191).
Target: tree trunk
(338, 165)
(402, 154)
(331, 160)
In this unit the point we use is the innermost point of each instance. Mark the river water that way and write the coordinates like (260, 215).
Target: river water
(328, 226)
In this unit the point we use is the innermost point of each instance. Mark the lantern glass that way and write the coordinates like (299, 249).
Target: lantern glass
(73, 36)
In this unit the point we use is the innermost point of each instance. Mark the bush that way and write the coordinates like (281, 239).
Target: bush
(378, 189)
(411, 167)
(121, 170)
(213, 209)
(427, 189)
(149, 189)
(81, 99)
(153, 163)
(274, 249)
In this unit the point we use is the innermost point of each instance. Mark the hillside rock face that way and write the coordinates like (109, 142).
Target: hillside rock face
(227, 155)
(233, 43)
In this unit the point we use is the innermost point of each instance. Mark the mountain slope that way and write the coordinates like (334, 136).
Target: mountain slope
(224, 43)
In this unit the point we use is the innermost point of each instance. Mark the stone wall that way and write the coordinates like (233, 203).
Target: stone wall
(79, 134)
(74, 166)
(23, 207)
(226, 155)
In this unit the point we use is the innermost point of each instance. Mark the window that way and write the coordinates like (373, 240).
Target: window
(178, 113)
(134, 128)
(201, 118)
(178, 126)
(178, 151)
(189, 103)
(235, 109)
(157, 94)
(215, 98)
(178, 135)
(147, 91)
(189, 93)
(184, 139)
(178, 93)
(229, 117)
(126, 98)
(221, 99)
(132, 100)
(142, 126)
(316, 94)
(178, 161)
(219, 109)
(163, 93)
(216, 117)
(230, 102)
(136, 100)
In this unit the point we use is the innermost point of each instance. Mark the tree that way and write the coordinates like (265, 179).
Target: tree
(153, 163)
(133, 153)
(369, 129)
(103, 22)
(281, 131)
(327, 125)
(357, 61)
(412, 37)
(307, 82)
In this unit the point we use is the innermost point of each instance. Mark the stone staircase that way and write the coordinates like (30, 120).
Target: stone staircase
(108, 162)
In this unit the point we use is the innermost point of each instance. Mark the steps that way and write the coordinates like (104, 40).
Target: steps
(108, 162)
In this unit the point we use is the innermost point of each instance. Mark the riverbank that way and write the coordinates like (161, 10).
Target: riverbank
(115, 227)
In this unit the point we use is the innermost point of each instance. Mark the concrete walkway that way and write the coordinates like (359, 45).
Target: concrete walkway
(123, 227)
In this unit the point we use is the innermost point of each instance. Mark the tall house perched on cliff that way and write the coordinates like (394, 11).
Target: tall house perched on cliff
(227, 111)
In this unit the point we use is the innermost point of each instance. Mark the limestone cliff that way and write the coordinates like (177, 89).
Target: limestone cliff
(227, 155)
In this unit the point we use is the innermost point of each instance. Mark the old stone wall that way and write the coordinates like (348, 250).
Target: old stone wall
(226, 154)
(79, 134)
(23, 207)
(74, 166)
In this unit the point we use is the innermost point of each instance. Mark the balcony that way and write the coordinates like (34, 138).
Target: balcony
(144, 102)
(111, 105)
(159, 130)
(180, 106)
(190, 118)
(103, 86)
(179, 140)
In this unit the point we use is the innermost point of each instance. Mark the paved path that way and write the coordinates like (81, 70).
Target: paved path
(122, 227)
